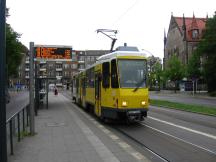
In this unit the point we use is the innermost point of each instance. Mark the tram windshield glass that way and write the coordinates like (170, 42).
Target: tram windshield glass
(132, 73)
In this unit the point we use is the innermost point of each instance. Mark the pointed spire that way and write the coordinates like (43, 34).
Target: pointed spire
(194, 23)
(184, 28)
(184, 24)
(171, 14)
(165, 37)
(207, 15)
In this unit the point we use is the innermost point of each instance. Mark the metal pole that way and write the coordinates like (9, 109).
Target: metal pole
(193, 87)
(36, 89)
(3, 137)
(11, 137)
(31, 89)
(23, 115)
(47, 92)
(18, 122)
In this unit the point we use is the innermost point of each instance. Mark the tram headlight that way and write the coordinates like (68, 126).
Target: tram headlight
(143, 103)
(124, 103)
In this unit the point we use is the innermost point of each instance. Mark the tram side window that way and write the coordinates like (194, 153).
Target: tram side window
(90, 78)
(106, 74)
(114, 75)
(91, 81)
(77, 85)
(87, 78)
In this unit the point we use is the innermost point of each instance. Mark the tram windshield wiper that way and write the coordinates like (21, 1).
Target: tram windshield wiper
(139, 84)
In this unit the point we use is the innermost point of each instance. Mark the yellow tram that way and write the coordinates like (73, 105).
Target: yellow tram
(115, 86)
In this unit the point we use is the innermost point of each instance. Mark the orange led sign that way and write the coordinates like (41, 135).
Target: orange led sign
(53, 52)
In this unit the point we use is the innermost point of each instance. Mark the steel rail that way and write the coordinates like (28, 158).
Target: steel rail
(142, 145)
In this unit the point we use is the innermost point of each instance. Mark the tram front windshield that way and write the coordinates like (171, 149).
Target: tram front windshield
(132, 73)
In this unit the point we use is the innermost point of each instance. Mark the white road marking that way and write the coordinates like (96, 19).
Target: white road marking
(138, 155)
(180, 139)
(124, 145)
(185, 128)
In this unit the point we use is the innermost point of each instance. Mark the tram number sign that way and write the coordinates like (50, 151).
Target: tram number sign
(53, 53)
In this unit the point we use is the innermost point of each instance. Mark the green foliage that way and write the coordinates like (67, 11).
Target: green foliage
(193, 70)
(158, 71)
(186, 107)
(207, 48)
(175, 70)
(155, 73)
(14, 50)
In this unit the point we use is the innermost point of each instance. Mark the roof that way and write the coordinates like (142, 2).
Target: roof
(191, 23)
(121, 54)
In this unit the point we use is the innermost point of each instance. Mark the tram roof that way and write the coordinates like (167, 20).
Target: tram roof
(117, 54)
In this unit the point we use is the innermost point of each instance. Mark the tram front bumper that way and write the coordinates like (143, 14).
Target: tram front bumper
(115, 113)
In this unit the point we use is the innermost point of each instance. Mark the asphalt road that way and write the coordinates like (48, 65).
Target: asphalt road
(206, 101)
(17, 102)
(176, 135)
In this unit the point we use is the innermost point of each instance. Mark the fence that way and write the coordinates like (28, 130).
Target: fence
(17, 126)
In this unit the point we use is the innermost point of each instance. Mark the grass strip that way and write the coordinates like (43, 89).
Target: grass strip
(186, 107)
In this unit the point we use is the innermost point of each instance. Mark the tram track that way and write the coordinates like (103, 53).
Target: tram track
(164, 147)
(142, 145)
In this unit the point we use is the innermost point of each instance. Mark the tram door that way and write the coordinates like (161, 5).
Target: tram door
(97, 95)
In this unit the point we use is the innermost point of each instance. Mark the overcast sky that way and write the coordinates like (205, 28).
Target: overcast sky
(140, 23)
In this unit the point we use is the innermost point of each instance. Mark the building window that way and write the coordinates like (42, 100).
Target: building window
(66, 66)
(73, 66)
(50, 66)
(195, 34)
(58, 73)
(92, 58)
(59, 66)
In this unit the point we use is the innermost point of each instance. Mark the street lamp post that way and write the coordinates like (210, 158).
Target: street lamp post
(31, 89)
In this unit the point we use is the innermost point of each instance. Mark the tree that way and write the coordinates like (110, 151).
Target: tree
(155, 70)
(193, 67)
(175, 70)
(207, 48)
(14, 50)
(193, 70)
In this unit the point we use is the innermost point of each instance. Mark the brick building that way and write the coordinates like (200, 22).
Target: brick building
(182, 38)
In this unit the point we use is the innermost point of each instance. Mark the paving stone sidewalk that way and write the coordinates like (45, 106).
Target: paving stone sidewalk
(63, 136)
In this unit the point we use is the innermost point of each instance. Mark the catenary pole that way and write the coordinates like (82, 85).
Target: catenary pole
(31, 89)
(3, 137)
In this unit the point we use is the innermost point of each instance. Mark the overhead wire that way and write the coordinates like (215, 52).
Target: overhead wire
(124, 13)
